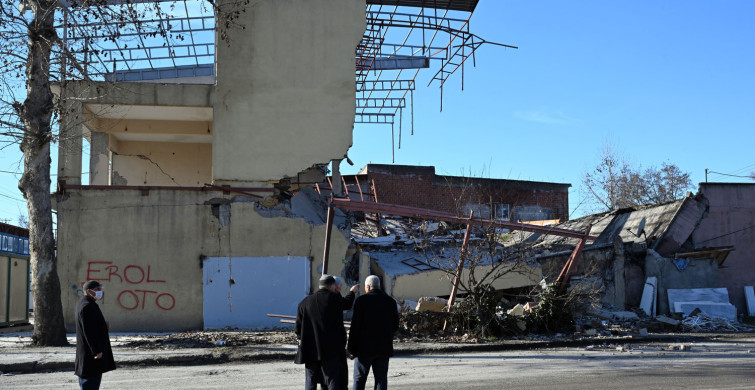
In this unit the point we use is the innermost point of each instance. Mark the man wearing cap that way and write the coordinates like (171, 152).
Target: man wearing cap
(322, 336)
(93, 354)
(373, 324)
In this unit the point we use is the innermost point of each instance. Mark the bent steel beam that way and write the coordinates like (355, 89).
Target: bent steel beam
(408, 211)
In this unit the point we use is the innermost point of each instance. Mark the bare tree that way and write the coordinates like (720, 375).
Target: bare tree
(605, 181)
(615, 184)
(35, 52)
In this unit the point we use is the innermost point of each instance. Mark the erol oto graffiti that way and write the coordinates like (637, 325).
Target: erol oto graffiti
(136, 298)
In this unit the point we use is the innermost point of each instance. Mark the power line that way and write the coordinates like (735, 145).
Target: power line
(12, 198)
(751, 166)
(727, 174)
(727, 234)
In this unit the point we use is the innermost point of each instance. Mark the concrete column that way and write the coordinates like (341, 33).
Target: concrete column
(619, 279)
(364, 267)
(99, 161)
(69, 151)
(336, 178)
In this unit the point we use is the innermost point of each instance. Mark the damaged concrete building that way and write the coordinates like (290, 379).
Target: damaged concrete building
(703, 241)
(197, 211)
(695, 252)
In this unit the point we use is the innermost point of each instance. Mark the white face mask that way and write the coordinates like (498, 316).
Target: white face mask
(98, 295)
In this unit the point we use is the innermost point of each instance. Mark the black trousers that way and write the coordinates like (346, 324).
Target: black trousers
(90, 383)
(330, 369)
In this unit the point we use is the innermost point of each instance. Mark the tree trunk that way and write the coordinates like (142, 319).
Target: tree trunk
(36, 115)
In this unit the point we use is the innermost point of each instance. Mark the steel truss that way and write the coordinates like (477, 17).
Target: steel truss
(438, 39)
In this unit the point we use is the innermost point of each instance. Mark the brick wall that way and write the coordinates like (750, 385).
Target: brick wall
(450, 193)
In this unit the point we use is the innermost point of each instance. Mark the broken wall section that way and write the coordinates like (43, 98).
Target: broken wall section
(286, 98)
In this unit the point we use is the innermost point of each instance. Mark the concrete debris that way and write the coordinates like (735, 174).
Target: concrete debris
(666, 320)
(649, 296)
(705, 323)
(713, 309)
(711, 301)
(434, 304)
(681, 347)
(643, 332)
(750, 298)
(591, 332)
(517, 311)
(407, 305)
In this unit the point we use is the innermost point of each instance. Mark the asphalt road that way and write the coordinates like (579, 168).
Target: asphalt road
(709, 365)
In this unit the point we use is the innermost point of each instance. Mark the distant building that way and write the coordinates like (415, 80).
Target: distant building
(420, 186)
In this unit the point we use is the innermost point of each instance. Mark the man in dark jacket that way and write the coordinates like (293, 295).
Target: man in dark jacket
(322, 336)
(373, 325)
(93, 354)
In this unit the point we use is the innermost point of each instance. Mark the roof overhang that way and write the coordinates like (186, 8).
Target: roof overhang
(719, 254)
(453, 5)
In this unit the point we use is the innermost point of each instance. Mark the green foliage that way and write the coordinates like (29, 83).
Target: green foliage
(554, 313)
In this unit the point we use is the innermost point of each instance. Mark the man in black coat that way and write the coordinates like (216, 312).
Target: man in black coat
(93, 353)
(322, 336)
(373, 325)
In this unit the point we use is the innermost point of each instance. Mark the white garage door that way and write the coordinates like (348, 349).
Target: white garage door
(239, 292)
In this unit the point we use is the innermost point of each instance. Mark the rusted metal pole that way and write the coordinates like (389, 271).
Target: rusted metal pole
(328, 230)
(378, 218)
(460, 268)
(361, 196)
(563, 277)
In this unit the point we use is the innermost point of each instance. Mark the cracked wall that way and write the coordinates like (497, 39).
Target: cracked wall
(147, 250)
(162, 163)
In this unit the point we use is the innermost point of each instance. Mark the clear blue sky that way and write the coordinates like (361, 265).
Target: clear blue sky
(664, 81)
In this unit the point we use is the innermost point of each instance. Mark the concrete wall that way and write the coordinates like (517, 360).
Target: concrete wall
(286, 99)
(437, 283)
(146, 250)
(730, 222)
(699, 273)
(161, 164)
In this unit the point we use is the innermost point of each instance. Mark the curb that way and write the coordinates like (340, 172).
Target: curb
(229, 356)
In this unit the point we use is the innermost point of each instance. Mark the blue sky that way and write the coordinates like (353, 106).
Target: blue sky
(669, 81)
(663, 81)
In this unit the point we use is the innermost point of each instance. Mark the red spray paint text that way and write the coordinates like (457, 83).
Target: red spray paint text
(132, 274)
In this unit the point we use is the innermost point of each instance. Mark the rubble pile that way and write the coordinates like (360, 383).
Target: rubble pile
(210, 339)
(424, 323)
(705, 323)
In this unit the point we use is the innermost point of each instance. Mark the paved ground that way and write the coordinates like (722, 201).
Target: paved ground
(193, 348)
(725, 363)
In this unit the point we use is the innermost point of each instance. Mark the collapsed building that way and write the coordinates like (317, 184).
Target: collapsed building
(692, 253)
(197, 209)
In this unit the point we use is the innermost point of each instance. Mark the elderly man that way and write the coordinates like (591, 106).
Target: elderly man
(93, 354)
(322, 336)
(373, 325)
